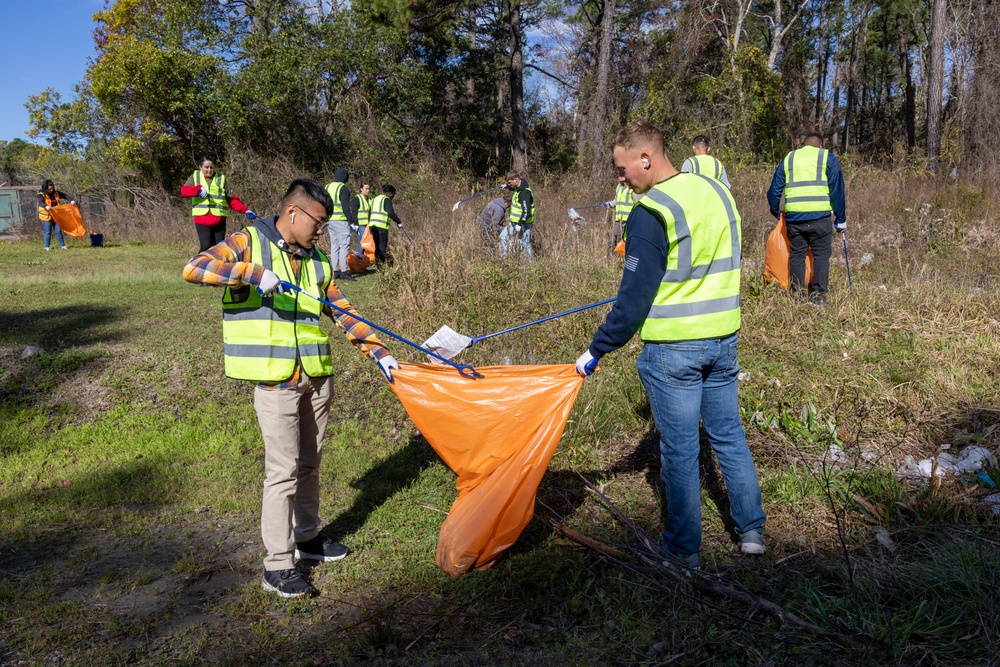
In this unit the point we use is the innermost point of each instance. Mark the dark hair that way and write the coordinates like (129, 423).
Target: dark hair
(810, 135)
(46, 183)
(700, 140)
(202, 160)
(310, 189)
(388, 189)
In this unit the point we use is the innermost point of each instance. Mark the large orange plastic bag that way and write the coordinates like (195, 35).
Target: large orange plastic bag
(357, 263)
(498, 433)
(776, 257)
(368, 245)
(67, 216)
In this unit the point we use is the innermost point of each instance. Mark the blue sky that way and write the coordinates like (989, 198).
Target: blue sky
(46, 44)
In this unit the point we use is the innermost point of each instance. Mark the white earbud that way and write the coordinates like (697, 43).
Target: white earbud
(645, 163)
(293, 218)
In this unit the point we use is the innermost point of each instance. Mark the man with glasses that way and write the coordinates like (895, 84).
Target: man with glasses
(273, 337)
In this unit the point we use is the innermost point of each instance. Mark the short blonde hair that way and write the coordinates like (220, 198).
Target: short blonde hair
(638, 134)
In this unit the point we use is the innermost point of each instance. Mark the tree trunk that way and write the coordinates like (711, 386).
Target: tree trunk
(470, 82)
(821, 64)
(935, 82)
(519, 148)
(599, 106)
(909, 103)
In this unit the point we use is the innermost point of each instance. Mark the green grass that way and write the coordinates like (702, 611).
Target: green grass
(130, 475)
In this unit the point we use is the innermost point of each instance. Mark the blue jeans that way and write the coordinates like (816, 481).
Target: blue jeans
(524, 236)
(47, 232)
(686, 381)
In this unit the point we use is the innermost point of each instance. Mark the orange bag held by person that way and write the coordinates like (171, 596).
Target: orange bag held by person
(67, 216)
(368, 245)
(498, 433)
(620, 247)
(776, 257)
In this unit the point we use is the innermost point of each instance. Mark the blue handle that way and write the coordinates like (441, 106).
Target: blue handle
(463, 369)
(462, 201)
(544, 319)
(582, 208)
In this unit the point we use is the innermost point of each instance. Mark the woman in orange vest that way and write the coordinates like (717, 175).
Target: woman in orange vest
(211, 200)
(48, 197)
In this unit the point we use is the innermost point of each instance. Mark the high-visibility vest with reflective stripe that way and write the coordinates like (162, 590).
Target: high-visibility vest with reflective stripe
(807, 189)
(624, 201)
(699, 294)
(518, 216)
(44, 215)
(265, 335)
(378, 217)
(215, 203)
(364, 209)
(706, 165)
(339, 214)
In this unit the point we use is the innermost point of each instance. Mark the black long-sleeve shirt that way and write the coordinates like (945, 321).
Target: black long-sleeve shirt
(391, 212)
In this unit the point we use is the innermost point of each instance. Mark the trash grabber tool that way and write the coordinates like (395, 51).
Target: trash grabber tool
(479, 194)
(447, 342)
(463, 369)
(847, 261)
(576, 218)
(406, 234)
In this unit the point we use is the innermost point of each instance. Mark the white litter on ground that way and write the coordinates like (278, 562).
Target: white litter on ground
(969, 460)
(993, 502)
(835, 453)
(882, 535)
(31, 351)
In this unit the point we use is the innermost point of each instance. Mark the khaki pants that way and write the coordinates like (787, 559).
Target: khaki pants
(293, 423)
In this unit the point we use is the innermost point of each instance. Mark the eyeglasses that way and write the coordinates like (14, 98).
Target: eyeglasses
(319, 223)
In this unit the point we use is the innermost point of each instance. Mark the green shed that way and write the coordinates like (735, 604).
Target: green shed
(16, 202)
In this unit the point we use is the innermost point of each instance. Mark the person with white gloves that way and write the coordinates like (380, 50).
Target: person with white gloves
(680, 289)
(522, 215)
(211, 199)
(46, 198)
(273, 338)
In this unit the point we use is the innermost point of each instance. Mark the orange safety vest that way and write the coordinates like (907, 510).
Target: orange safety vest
(44, 215)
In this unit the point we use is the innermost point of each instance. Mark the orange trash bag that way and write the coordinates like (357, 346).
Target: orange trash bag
(67, 216)
(776, 266)
(368, 245)
(357, 263)
(620, 247)
(498, 433)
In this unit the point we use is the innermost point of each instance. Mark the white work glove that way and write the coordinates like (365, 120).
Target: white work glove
(399, 225)
(203, 193)
(387, 365)
(586, 364)
(609, 204)
(841, 227)
(354, 228)
(72, 202)
(517, 228)
(269, 283)
(48, 208)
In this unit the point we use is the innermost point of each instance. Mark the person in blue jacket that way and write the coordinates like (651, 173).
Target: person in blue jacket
(813, 187)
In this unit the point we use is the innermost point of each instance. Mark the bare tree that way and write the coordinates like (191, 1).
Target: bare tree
(779, 30)
(599, 103)
(935, 82)
(519, 144)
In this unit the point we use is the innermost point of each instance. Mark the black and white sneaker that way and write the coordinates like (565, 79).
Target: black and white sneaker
(320, 548)
(286, 583)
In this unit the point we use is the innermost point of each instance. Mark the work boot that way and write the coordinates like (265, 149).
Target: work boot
(286, 583)
(320, 548)
(346, 275)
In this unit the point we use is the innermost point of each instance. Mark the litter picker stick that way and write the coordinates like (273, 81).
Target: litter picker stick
(479, 194)
(848, 262)
(463, 369)
(544, 319)
(601, 205)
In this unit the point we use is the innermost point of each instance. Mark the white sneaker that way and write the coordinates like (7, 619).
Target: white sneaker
(64, 247)
(46, 249)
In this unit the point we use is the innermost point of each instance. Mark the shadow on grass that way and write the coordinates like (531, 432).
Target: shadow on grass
(54, 328)
(382, 481)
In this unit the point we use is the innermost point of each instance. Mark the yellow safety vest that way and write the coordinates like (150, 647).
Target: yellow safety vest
(338, 214)
(265, 335)
(377, 216)
(44, 215)
(706, 165)
(807, 189)
(624, 201)
(215, 203)
(699, 295)
(364, 209)
(518, 216)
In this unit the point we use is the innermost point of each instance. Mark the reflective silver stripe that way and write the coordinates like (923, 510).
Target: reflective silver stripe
(819, 164)
(805, 184)
(697, 167)
(820, 198)
(267, 313)
(260, 351)
(791, 169)
(314, 350)
(318, 267)
(695, 308)
(685, 271)
(718, 168)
